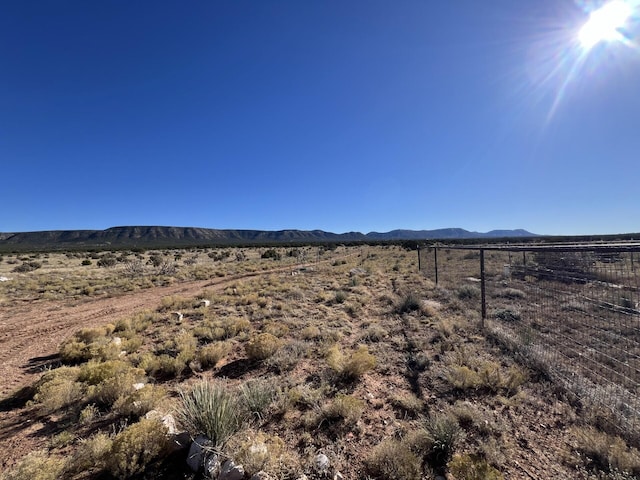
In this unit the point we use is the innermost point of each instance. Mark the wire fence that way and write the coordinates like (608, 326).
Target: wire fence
(570, 310)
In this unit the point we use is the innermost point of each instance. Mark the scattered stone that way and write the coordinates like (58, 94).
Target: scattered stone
(338, 476)
(302, 477)
(321, 462)
(197, 452)
(138, 386)
(204, 303)
(116, 340)
(357, 271)
(177, 316)
(4, 279)
(231, 471)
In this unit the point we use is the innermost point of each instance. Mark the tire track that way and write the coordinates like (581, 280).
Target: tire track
(35, 329)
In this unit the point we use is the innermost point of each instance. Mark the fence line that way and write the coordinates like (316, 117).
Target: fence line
(571, 309)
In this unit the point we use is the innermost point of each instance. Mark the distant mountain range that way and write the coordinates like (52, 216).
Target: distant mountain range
(139, 236)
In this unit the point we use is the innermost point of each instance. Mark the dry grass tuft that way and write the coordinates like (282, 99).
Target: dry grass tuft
(353, 366)
(472, 467)
(393, 460)
(605, 452)
(211, 354)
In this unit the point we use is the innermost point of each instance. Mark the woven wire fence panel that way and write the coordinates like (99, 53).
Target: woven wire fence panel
(572, 314)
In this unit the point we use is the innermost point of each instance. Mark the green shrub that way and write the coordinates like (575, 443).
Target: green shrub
(235, 326)
(107, 260)
(140, 401)
(88, 414)
(110, 380)
(58, 389)
(73, 351)
(27, 267)
(271, 253)
(136, 447)
(95, 372)
(86, 262)
(91, 454)
(262, 346)
(210, 409)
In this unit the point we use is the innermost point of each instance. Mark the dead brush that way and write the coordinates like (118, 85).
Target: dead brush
(605, 452)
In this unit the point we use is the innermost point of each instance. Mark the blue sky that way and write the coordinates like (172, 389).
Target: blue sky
(364, 115)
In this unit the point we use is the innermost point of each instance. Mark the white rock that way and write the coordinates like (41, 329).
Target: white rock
(4, 279)
(204, 303)
(197, 452)
(321, 462)
(170, 423)
(117, 340)
(231, 471)
(138, 386)
(167, 420)
(177, 316)
(338, 476)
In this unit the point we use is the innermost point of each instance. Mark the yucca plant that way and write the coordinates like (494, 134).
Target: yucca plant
(210, 409)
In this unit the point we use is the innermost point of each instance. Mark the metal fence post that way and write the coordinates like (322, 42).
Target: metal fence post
(482, 287)
(435, 258)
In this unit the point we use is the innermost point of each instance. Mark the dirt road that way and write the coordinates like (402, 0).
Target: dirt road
(32, 331)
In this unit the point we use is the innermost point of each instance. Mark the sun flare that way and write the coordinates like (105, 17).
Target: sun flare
(604, 24)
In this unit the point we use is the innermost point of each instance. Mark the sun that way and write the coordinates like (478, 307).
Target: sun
(604, 24)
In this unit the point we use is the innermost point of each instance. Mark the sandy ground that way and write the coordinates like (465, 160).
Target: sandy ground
(31, 332)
